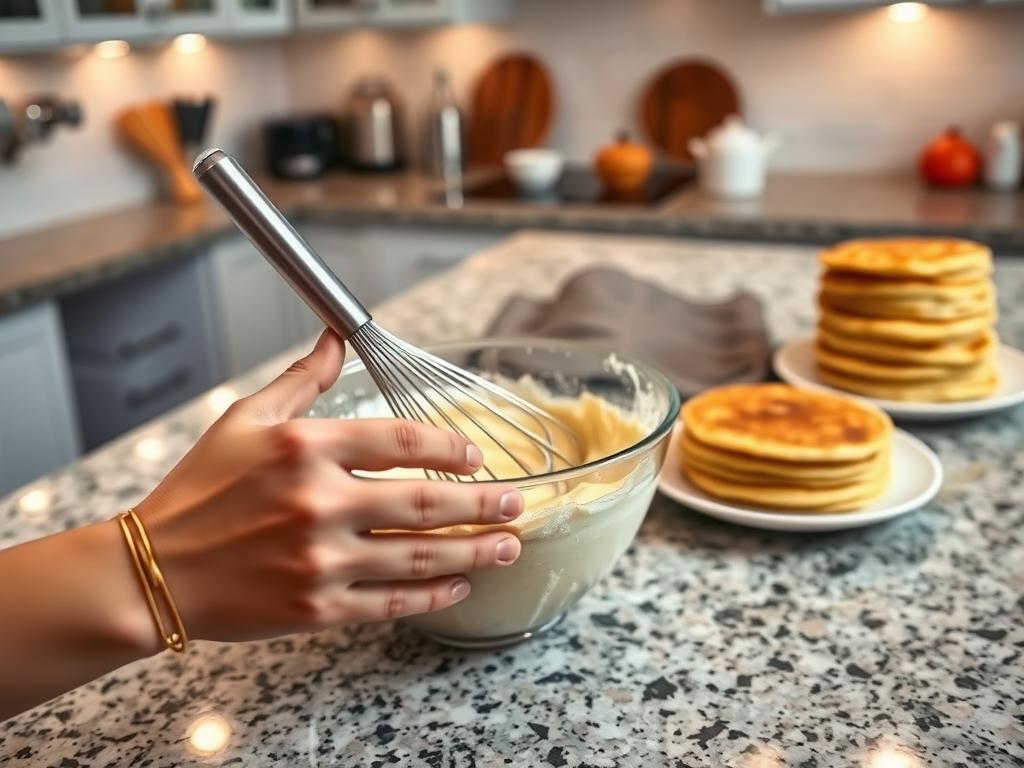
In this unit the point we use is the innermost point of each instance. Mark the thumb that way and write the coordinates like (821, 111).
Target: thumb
(294, 391)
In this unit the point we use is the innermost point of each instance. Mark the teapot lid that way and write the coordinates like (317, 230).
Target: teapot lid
(733, 134)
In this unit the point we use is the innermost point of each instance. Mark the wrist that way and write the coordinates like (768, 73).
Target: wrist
(127, 622)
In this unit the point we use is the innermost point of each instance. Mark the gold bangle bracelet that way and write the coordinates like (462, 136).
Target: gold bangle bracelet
(153, 582)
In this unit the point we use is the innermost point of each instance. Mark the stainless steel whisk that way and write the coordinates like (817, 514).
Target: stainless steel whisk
(415, 384)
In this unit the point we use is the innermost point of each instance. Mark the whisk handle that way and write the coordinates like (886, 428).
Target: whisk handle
(272, 234)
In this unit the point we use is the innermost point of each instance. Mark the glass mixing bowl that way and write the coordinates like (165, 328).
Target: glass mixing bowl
(588, 515)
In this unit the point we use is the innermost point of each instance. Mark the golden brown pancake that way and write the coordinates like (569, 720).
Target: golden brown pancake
(908, 319)
(938, 289)
(983, 381)
(777, 421)
(839, 498)
(969, 351)
(716, 461)
(889, 373)
(794, 473)
(909, 257)
(906, 331)
(907, 308)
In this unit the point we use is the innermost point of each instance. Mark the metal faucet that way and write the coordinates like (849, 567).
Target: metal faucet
(32, 121)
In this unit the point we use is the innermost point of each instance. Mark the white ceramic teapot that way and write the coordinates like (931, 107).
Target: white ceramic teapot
(733, 159)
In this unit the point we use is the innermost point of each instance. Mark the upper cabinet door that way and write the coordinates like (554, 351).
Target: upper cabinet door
(417, 11)
(106, 19)
(796, 6)
(326, 14)
(255, 16)
(26, 24)
(139, 19)
(178, 16)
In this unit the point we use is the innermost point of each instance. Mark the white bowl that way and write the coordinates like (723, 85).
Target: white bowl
(534, 170)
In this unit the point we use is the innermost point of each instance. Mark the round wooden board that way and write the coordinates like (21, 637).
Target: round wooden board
(686, 99)
(512, 107)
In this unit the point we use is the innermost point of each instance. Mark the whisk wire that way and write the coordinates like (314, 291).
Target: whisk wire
(401, 402)
(429, 389)
(439, 386)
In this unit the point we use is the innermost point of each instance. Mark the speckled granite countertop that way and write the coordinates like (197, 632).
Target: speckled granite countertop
(897, 646)
(811, 208)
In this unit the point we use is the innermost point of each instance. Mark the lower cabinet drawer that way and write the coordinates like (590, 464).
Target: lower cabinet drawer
(138, 347)
(138, 317)
(112, 400)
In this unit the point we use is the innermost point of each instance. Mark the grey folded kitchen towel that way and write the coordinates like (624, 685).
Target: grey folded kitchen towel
(697, 345)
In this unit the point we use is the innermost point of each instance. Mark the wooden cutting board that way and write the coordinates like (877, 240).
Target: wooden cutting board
(512, 107)
(685, 99)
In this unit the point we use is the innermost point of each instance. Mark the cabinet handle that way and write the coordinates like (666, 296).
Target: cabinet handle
(139, 398)
(133, 348)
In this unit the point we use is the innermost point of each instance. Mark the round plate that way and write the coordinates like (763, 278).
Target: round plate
(916, 477)
(794, 363)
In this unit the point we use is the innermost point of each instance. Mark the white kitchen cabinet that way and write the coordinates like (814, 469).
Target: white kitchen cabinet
(90, 20)
(29, 24)
(256, 313)
(796, 6)
(378, 261)
(341, 247)
(247, 17)
(38, 426)
(807, 6)
(396, 258)
(333, 14)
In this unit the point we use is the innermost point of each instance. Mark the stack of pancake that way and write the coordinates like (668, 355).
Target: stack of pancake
(772, 445)
(908, 319)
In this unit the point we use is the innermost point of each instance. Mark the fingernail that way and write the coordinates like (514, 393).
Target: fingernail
(460, 590)
(507, 550)
(510, 505)
(474, 457)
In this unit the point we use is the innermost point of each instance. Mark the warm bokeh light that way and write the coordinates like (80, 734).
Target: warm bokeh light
(111, 49)
(35, 501)
(209, 734)
(150, 449)
(907, 13)
(891, 757)
(189, 43)
(220, 398)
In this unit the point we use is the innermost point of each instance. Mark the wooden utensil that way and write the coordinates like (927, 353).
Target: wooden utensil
(512, 108)
(151, 130)
(686, 99)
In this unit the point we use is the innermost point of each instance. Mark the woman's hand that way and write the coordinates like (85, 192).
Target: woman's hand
(260, 530)
(263, 530)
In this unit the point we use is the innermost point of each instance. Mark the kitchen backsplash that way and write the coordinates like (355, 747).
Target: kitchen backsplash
(846, 90)
(84, 170)
(849, 91)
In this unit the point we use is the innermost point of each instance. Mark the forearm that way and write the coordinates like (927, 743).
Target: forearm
(72, 609)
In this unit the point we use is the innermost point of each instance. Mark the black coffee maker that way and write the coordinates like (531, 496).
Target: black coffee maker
(301, 147)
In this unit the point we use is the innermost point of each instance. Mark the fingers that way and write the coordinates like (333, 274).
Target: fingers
(379, 444)
(422, 505)
(385, 601)
(294, 391)
(409, 557)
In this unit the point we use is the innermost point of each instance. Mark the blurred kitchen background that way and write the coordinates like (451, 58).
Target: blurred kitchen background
(382, 126)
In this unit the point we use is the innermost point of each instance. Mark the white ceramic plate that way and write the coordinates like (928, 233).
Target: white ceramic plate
(916, 477)
(794, 363)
